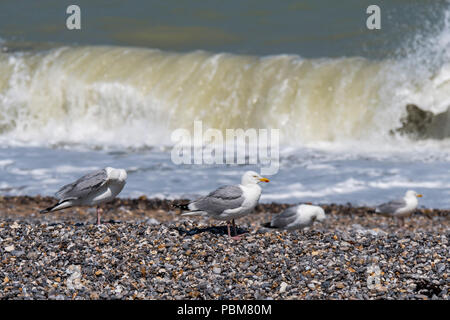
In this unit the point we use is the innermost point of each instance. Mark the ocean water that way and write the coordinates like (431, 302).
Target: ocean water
(112, 94)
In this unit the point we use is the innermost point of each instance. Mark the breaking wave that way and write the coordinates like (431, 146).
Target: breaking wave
(103, 95)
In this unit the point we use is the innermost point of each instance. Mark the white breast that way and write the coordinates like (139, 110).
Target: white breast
(304, 216)
(411, 205)
(251, 194)
(106, 193)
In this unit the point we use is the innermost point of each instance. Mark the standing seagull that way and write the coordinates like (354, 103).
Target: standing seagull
(400, 207)
(297, 217)
(90, 190)
(229, 202)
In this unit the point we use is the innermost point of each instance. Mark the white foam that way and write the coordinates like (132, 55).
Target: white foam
(6, 162)
(106, 97)
(66, 96)
(409, 184)
(74, 169)
(294, 191)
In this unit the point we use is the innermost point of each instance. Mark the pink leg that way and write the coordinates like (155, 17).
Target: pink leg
(228, 227)
(99, 211)
(234, 227)
(400, 222)
(236, 237)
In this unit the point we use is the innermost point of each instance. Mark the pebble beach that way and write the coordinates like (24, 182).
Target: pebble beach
(126, 126)
(146, 250)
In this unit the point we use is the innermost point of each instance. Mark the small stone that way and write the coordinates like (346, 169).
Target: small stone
(152, 221)
(17, 253)
(15, 225)
(94, 296)
(340, 285)
(74, 280)
(283, 287)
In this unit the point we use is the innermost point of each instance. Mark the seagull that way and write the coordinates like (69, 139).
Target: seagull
(400, 207)
(228, 202)
(91, 189)
(297, 217)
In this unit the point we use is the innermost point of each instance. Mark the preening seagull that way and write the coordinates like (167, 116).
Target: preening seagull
(297, 217)
(400, 207)
(91, 189)
(229, 202)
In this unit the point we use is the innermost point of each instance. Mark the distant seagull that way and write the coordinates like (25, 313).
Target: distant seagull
(90, 190)
(297, 217)
(229, 202)
(400, 207)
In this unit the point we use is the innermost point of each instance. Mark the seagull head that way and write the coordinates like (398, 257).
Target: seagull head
(116, 174)
(320, 215)
(251, 177)
(412, 194)
(314, 213)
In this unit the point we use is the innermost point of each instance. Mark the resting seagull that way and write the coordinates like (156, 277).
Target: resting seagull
(229, 202)
(297, 217)
(91, 189)
(400, 207)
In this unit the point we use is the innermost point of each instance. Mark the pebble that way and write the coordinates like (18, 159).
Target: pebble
(74, 280)
(352, 255)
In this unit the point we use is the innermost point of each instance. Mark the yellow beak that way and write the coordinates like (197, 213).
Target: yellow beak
(264, 180)
(419, 196)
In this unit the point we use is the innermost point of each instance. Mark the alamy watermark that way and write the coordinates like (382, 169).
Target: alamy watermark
(73, 22)
(374, 20)
(238, 146)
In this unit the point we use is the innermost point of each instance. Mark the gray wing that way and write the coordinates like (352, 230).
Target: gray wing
(285, 218)
(391, 206)
(226, 197)
(83, 186)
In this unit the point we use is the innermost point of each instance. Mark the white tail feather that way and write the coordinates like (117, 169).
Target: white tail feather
(194, 213)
